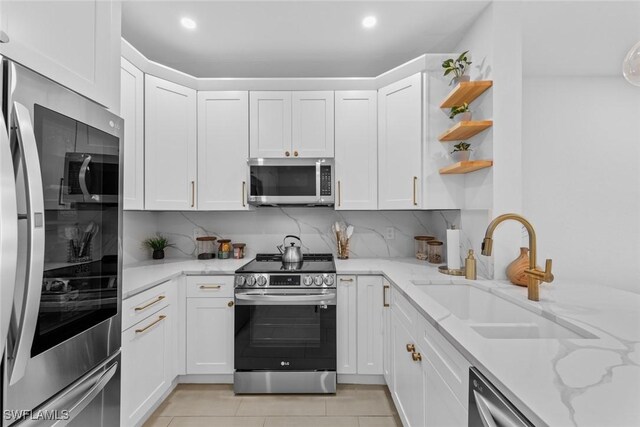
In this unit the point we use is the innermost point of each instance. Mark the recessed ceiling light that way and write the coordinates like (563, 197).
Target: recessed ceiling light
(369, 22)
(188, 23)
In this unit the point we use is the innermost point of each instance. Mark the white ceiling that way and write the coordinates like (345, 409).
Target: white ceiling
(578, 38)
(293, 38)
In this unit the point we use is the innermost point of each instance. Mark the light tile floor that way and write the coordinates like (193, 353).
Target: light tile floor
(215, 405)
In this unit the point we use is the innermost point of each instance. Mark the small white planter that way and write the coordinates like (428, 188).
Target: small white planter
(457, 80)
(461, 156)
(462, 117)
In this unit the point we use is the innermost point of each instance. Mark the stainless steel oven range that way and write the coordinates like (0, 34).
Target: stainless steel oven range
(285, 325)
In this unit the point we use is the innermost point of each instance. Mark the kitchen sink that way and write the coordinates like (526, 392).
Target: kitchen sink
(494, 317)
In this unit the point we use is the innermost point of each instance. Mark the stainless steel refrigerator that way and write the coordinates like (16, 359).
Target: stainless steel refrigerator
(60, 254)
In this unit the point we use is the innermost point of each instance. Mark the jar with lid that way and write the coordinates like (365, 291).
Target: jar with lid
(421, 246)
(434, 251)
(205, 247)
(238, 250)
(224, 250)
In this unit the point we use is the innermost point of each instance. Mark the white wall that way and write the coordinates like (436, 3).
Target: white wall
(582, 182)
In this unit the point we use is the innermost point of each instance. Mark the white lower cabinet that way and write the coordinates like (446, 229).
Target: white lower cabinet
(210, 335)
(370, 325)
(347, 362)
(426, 373)
(149, 357)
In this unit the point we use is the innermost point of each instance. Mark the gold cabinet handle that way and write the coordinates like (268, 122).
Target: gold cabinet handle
(339, 194)
(384, 296)
(244, 188)
(230, 304)
(295, 153)
(415, 181)
(346, 280)
(411, 348)
(417, 357)
(286, 153)
(210, 286)
(149, 304)
(193, 194)
(151, 325)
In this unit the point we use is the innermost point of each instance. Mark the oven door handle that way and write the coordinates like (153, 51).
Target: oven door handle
(259, 299)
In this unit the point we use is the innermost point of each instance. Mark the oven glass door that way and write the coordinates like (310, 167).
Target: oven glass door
(283, 181)
(285, 337)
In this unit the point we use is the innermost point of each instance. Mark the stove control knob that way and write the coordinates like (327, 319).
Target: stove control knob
(328, 280)
(317, 280)
(240, 280)
(251, 281)
(261, 280)
(307, 280)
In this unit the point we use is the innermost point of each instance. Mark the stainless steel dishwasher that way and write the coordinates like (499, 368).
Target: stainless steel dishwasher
(488, 407)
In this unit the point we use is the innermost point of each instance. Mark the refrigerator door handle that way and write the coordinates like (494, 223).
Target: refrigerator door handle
(71, 403)
(8, 233)
(35, 242)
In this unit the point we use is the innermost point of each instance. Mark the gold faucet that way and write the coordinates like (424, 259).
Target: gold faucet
(534, 275)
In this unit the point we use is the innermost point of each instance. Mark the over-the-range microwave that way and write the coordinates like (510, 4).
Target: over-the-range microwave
(305, 182)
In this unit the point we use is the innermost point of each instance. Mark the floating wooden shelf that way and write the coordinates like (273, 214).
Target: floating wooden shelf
(466, 167)
(465, 130)
(465, 92)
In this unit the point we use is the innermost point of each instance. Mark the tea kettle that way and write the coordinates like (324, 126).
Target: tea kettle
(292, 253)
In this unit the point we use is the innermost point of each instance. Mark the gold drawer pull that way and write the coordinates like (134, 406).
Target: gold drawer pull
(149, 304)
(346, 280)
(150, 325)
(417, 357)
(210, 286)
(411, 348)
(230, 304)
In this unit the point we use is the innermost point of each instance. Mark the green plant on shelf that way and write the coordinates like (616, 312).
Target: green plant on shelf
(461, 146)
(458, 110)
(456, 66)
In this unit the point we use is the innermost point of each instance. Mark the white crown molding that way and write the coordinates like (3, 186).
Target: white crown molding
(426, 62)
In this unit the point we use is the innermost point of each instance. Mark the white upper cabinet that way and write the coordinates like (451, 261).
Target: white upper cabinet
(170, 146)
(291, 124)
(132, 111)
(223, 149)
(370, 325)
(356, 150)
(399, 144)
(270, 128)
(312, 124)
(75, 43)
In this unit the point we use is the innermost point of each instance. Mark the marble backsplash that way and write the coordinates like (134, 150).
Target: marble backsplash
(264, 228)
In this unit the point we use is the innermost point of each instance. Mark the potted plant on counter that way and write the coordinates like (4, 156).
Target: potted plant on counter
(461, 152)
(460, 113)
(458, 67)
(157, 244)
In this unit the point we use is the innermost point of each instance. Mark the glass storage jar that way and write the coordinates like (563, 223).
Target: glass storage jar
(224, 250)
(421, 246)
(434, 251)
(238, 250)
(205, 247)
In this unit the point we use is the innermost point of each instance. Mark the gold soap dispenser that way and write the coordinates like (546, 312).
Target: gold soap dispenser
(470, 266)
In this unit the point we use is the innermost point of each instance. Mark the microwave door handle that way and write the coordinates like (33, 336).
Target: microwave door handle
(8, 233)
(84, 168)
(318, 193)
(35, 242)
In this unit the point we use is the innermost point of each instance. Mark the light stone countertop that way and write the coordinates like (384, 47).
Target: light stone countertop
(554, 382)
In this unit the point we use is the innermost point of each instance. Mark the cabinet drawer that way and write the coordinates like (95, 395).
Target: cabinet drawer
(447, 361)
(404, 311)
(141, 306)
(209, 286)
